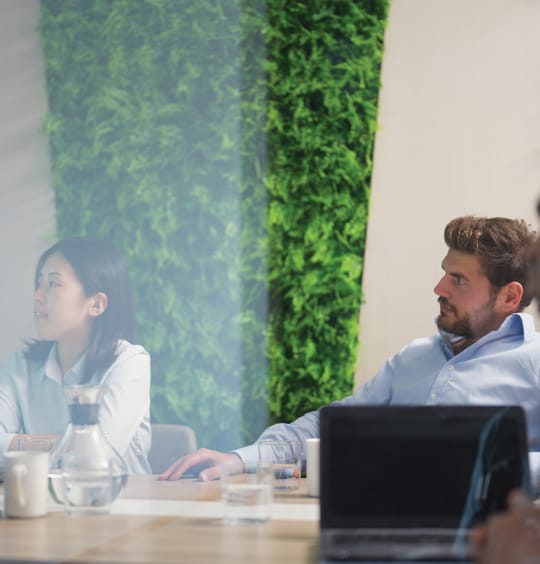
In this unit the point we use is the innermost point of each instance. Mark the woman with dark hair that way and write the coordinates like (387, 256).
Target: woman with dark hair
(84, 320)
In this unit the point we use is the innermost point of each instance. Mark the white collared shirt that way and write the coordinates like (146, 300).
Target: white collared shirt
(32, 400)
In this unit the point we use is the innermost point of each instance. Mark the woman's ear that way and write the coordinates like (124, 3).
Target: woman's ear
(98, 304)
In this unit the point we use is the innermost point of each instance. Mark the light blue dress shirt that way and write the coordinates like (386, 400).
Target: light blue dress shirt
(32, 400)
(503, 367)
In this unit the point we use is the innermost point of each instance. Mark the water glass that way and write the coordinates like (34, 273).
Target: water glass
(284, 458)
(247, 498)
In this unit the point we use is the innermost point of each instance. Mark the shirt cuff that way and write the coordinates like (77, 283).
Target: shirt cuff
(250, 456)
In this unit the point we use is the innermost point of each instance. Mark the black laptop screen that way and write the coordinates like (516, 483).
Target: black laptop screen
(418, 467)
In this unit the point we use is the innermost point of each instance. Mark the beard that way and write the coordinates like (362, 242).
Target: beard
(456, 325)
(485, 320)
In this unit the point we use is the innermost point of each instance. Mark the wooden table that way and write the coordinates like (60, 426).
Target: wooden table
(154, 522)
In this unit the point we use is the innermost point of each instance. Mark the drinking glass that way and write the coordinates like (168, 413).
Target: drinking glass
(247, 498)
(284, 458)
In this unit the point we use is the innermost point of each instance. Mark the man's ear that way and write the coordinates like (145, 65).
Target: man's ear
(98, 304)
(510, 296)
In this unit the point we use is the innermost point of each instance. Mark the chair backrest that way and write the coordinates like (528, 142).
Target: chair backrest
(169, 443)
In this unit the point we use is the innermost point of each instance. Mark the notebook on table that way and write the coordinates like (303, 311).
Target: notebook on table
(408, 483)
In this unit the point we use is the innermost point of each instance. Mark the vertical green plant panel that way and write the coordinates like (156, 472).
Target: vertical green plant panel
(153, 148)
(324, 62)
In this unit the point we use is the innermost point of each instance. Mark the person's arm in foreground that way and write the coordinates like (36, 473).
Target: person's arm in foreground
(512, 537)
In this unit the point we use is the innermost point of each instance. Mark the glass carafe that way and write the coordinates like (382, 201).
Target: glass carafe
(86, 474)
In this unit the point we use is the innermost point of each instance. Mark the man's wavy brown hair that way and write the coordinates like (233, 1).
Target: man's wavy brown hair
(501, 244)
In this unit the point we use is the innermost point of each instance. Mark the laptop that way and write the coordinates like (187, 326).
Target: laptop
(404, 483)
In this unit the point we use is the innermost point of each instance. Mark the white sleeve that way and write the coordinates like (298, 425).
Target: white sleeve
(10, 414)
(126, 397)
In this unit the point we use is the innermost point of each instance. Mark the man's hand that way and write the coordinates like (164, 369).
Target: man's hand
(512, 537)
(209, 459)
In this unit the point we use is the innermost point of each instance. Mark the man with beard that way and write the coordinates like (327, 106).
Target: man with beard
(486, 352)
(514, 536)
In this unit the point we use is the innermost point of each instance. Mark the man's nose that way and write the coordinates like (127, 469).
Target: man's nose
(441, 289)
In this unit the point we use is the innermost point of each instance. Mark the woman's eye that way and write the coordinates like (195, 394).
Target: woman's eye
(52, 284)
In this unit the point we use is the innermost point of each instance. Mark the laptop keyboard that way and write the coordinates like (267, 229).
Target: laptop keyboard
(414, 545)
(443, 537)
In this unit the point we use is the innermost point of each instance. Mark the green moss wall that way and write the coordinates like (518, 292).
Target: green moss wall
(324, 69)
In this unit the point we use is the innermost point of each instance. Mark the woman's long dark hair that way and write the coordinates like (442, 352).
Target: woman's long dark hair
(99, 268)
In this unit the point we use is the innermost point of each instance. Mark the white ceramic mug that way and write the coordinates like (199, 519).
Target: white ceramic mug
(312, 467)
(25, 483)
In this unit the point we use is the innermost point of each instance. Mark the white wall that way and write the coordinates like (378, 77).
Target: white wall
(27, 201)
(459, 133)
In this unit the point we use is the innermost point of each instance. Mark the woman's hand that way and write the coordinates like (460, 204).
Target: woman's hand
(34, 442)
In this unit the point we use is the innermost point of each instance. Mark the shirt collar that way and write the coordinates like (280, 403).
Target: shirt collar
(53, 371)
(519, 324)
(515, 324)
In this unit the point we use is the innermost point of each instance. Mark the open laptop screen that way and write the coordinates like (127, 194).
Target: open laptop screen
(419, 467)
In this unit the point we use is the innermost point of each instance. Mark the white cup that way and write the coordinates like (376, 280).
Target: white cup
(25, 483)
(312, 467)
